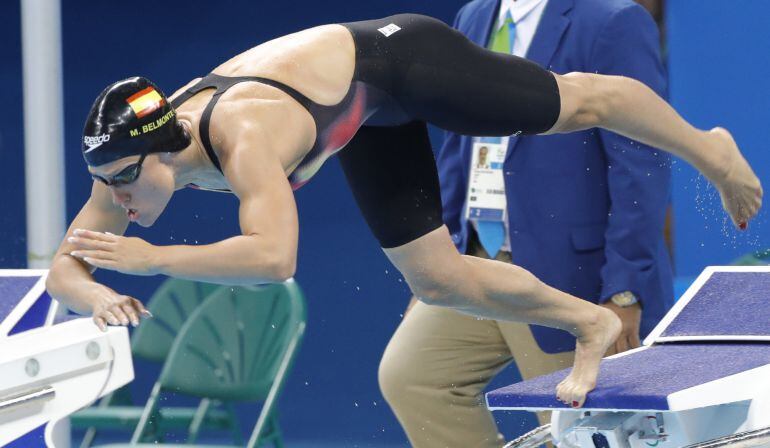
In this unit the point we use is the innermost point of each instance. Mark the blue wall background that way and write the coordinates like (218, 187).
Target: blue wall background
(718, 70)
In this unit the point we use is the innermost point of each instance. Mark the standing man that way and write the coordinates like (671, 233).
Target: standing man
(584, 212)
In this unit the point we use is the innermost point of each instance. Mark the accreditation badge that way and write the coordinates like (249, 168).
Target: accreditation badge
(486, 186)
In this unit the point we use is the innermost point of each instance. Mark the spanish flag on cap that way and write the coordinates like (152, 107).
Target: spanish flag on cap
(145, 102)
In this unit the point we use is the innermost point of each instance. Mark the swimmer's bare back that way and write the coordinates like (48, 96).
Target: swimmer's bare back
(318, 62)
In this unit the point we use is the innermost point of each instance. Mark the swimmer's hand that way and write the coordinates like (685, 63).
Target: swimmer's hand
(109, 307)
(739, 188)
(129, 255)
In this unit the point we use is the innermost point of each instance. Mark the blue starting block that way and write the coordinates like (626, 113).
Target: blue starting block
(702, 377)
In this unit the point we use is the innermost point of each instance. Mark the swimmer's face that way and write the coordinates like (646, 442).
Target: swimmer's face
(144, 198)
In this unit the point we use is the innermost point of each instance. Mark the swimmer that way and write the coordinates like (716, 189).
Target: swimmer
(263, 122)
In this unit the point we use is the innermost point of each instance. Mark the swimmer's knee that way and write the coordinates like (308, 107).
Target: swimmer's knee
(587, 100)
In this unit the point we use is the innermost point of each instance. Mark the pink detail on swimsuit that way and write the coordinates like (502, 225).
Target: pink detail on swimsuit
(333, 138)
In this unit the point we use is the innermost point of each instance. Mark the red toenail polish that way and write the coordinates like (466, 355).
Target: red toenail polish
(743, 225)
(574, 404)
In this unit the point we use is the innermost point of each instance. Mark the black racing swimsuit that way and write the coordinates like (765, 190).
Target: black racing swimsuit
(410, 70)
(335, 125)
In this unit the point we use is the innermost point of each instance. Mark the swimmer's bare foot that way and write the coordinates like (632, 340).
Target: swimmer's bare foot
(593, 340)
(736, 182)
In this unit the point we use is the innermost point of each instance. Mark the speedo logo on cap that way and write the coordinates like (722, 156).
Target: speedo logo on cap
(95, 141)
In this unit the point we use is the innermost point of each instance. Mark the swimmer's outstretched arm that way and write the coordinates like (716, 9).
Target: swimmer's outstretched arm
(630, 108)
(264, 253)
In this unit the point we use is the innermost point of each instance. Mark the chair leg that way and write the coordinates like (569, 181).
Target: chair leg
(120, 396)
(197, 421)
(150, 416)
(268, 409)
(275, 431)
(88, 438)
(235, 427)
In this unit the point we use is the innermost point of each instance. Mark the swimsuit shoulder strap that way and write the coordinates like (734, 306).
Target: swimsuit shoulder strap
(221, 84)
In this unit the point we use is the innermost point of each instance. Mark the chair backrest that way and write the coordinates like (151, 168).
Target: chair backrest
(756, 258)
(171, 306)
(235, 345)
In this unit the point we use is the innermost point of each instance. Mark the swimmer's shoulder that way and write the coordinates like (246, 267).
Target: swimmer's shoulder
(183, 88)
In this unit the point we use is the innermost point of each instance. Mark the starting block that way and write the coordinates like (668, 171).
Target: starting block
(701, 378)
(50, 367)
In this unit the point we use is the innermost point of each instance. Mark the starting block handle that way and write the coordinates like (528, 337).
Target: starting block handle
(24, 399)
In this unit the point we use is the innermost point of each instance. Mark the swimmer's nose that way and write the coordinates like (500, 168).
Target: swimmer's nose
(120, 198)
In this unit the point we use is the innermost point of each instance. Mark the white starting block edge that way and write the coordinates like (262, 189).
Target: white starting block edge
(73, 380)
(655, 334)
(7, 325)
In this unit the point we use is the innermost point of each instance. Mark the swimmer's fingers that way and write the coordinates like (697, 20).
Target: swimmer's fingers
(102, 263)
(108, 317)
(82, 243)
(100, 322)
(97, 258)
(131, 313)
(139, 306)
(90, 234)
(134, 309)
(117, 311)
(94, 254)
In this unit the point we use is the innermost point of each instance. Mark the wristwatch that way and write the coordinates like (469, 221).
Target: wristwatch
(624, 299)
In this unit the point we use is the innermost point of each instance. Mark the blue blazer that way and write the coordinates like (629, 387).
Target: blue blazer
(586, 209)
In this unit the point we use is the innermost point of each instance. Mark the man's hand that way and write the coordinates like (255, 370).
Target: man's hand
(631, 318)
(109, 307)
(129, 255)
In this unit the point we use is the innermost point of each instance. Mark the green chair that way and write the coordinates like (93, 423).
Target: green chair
(757, 258)
(171, 305)
(237, 347)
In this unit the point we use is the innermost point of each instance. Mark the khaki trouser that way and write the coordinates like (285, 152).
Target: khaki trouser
(438, 362)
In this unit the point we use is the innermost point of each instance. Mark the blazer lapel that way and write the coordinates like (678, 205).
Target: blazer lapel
(544, 44)
(480, 26)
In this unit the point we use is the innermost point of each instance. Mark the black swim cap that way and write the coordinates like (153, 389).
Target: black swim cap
(131, 117)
